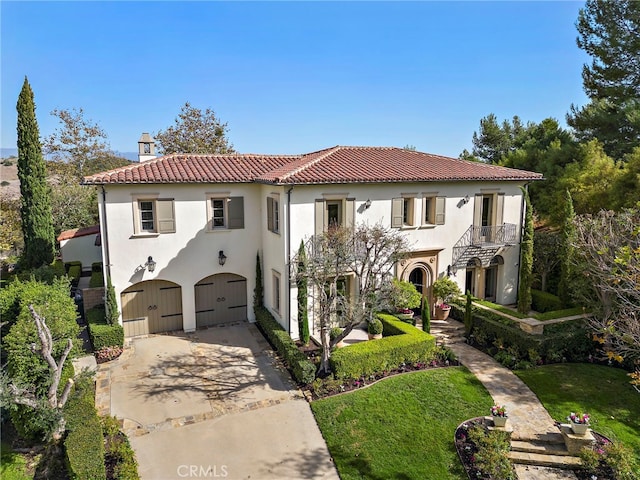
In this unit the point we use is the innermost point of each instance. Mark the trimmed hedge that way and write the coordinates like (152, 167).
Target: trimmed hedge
(402, 343)
(97, 279)
(545, 302)
(84, 444)
(303, 370)
(101, 334)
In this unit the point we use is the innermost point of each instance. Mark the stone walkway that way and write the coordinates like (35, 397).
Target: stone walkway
(528, 418)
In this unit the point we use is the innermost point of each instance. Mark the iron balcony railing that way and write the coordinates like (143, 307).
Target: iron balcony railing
(484, 237)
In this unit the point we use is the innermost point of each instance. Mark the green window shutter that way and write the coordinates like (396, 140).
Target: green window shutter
(270, 214)
(166, 216)
(397, 205)
(319, 220)
(440, 210)
(350, 213)
(235, 210)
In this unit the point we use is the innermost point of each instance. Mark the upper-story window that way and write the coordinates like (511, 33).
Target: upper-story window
(273, 213)
(403, 211)
(225, 212)
(153, 216)
(334, 211)
(433, 209)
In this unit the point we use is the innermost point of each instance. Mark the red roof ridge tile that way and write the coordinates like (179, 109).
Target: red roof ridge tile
(310, 163)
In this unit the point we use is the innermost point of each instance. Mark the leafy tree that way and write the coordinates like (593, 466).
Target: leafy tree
(77, 142)
(194, 131)
(547, 243)
(526, 258)
(608, 32)
(11, 241)
(607, 253)
(303, 293)
(626, 187)
(73, 205)
(35, 210)
(366, 253)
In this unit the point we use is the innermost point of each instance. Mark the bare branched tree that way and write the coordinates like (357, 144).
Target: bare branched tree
(367, 255)
(607, 251)
(25, 395)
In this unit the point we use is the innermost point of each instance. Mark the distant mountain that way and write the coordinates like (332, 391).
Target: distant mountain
(13, 152)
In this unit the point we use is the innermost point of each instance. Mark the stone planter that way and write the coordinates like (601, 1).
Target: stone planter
(374, 336)
(442, 313)
(404, 316)
(579, 428)
(499, 421)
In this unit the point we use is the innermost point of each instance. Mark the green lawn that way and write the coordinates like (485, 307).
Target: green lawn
(13, 466)
(603, 392)
(402, 427)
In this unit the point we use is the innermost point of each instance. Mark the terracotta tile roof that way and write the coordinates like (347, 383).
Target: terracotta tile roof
(79, 232)
(181, 168)
(333, 165)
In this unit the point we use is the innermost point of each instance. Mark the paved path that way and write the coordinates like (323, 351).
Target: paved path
(528, 418)
(212, 404)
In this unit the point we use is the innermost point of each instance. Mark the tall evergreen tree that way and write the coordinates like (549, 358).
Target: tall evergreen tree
(568, 234)
(303, 314)
(35, 209)
(608, 32)
(526, 258)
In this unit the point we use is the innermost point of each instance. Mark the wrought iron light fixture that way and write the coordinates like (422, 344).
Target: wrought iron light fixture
(466, 199)
(367, 204)
(222, 258)
(151, 264)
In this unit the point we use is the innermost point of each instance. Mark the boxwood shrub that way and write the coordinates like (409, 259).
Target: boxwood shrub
(302, 369)
(97, 279)
(84, 443)
(545, 302)
(402, 343)
(101, 334)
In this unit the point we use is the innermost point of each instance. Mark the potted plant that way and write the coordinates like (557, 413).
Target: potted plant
(499, 415)
(579, 422)
(404, 298)
(374, 329)
(444, 289)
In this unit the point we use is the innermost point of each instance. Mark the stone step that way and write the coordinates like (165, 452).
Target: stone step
(556, 461)
(546, 438)
(541, 448)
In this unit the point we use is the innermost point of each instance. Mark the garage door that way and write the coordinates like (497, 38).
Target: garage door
(151, 307)
(221, 299)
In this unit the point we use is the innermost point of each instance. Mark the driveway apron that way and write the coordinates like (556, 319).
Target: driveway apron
(212, 404)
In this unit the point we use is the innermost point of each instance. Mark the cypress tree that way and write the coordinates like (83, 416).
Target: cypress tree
(526, 258)
(258, 292)
(568, 233)
(35, 207)
(468, 316)
(303, 314)
(111, 305)
(425, 313)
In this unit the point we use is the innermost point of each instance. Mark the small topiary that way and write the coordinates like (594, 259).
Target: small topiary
(375, 327)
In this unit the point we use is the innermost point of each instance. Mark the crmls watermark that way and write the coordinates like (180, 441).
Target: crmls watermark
(202, 471)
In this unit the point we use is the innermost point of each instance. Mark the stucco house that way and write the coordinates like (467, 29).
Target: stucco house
(180, 233)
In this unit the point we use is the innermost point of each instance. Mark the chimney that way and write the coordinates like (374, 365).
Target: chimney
(146, 148)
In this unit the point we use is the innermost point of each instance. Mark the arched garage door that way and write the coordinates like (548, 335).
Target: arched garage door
(221, 298)
(151, 307)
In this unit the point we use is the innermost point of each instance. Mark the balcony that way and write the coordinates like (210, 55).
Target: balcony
(483, 243)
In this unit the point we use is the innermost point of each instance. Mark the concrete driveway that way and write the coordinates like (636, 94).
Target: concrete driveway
(212, 404)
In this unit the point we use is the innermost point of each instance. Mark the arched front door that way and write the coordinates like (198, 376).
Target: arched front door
(151, 307)
(220, 299)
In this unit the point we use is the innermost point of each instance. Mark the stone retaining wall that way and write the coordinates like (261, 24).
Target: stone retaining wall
(92, 297)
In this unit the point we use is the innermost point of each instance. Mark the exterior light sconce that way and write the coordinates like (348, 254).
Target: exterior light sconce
(367, 204)
(151, 264)
(466, 199)
(451, 271)
(222, 258)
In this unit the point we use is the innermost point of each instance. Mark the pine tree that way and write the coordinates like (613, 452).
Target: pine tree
(568, 234)
(303, 314)
(526, 258)
(35, 209)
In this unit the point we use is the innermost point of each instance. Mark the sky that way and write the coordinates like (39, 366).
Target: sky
(294, 77)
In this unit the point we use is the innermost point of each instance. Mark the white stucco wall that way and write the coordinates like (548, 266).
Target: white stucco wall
(191, 253)
(81, 249)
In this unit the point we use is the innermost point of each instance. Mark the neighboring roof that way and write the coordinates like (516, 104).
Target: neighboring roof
(79, 232)
(333, 165)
